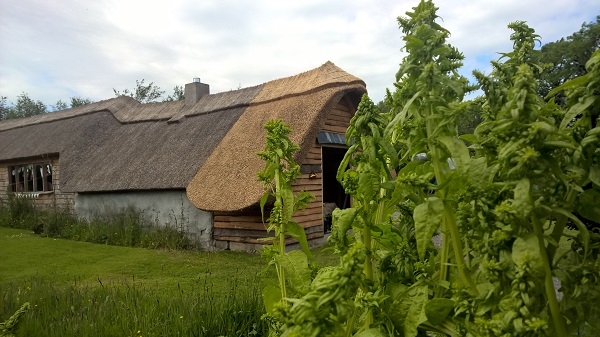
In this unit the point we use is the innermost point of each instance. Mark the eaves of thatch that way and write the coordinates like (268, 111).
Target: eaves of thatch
(227, 180)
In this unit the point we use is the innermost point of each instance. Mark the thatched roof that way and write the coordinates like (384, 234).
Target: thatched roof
(227, 181)
(209, 148)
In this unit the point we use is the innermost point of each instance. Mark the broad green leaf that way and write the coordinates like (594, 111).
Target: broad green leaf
(438, 309)
(263, 201)
(560, 143)
(368, 181)
(343, 218)
(457, 148)
(390, 151)
(595, 175)
(287, 195)
(522, 198)
(471, 138)
(341, 222)
(271, 295)
(476, 172)
(345, 162)
(526, 252)
(509, 148)
(575, 110)
(428, 217)
(583, 231)
(408, 311)
(576, 82)
(297, 271)
(400, 116)
(588, 205)
(413, 42)
(371, 333)
(297, 232)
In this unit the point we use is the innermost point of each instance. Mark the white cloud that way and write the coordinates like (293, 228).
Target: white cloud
(54, 50)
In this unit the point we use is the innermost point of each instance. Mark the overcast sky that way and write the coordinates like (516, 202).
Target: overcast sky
(57, 49)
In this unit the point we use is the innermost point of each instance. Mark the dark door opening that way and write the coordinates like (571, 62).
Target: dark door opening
(333, 192)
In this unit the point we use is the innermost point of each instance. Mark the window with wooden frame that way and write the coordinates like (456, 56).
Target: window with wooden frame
(31, 177)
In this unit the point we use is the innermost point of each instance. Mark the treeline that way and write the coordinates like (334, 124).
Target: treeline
(25, 106)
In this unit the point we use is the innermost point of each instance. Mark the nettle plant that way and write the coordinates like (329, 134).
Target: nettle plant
(292, 269)
(511, 207)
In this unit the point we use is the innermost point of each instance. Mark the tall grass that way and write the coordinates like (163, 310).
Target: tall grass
(128, 227)
(130, 309)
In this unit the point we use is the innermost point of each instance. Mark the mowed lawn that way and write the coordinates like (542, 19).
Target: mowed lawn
(25, 255)
(80, 289)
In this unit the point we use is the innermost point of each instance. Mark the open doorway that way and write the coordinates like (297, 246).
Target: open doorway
(333, 192)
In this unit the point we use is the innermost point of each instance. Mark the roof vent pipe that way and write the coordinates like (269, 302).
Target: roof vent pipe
(195, 90)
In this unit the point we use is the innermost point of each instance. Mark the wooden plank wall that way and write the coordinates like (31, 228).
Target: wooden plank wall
(247, 226)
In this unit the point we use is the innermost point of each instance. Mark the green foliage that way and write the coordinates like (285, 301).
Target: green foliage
(278, 175)
(470, 114)
(130, 308)
(4, 108)
(178, 94)
(147, 93)
(24, 107)
(9, 327)
(143, 93)
(568, 57)
(79, 101)
(501, 207)
(75, 102)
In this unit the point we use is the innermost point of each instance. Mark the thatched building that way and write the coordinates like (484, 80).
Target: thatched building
(189, 163)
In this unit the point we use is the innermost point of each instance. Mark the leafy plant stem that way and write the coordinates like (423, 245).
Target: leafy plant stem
(368, 266)
(559, 323)
(448, 222)
(559, 226)
(439, 291)
(368, 241)
(350, 324)
(281, 237)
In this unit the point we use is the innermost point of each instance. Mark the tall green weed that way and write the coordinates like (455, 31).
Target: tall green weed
(498, 208)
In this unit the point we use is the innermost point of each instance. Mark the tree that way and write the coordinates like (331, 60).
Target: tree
(3, 108)
(567, 57)
(78, 101)
(60, 105)
(142, 93)
(469, 115)
(75, 102)
(178, 94)
(25, 107)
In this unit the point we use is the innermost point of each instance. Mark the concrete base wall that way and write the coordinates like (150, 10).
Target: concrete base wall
(163, 208)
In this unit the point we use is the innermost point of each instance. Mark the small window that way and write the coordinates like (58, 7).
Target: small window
(32, 177)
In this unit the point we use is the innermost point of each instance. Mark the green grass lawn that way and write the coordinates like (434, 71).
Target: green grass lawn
(25, 255)
(82, 289)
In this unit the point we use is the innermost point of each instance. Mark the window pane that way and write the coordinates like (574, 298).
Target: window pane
(29, 178)
(49, 183)
(39, 178)
(21, 173)
(13, 178)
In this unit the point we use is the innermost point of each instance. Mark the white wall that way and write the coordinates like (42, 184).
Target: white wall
(163, 208)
